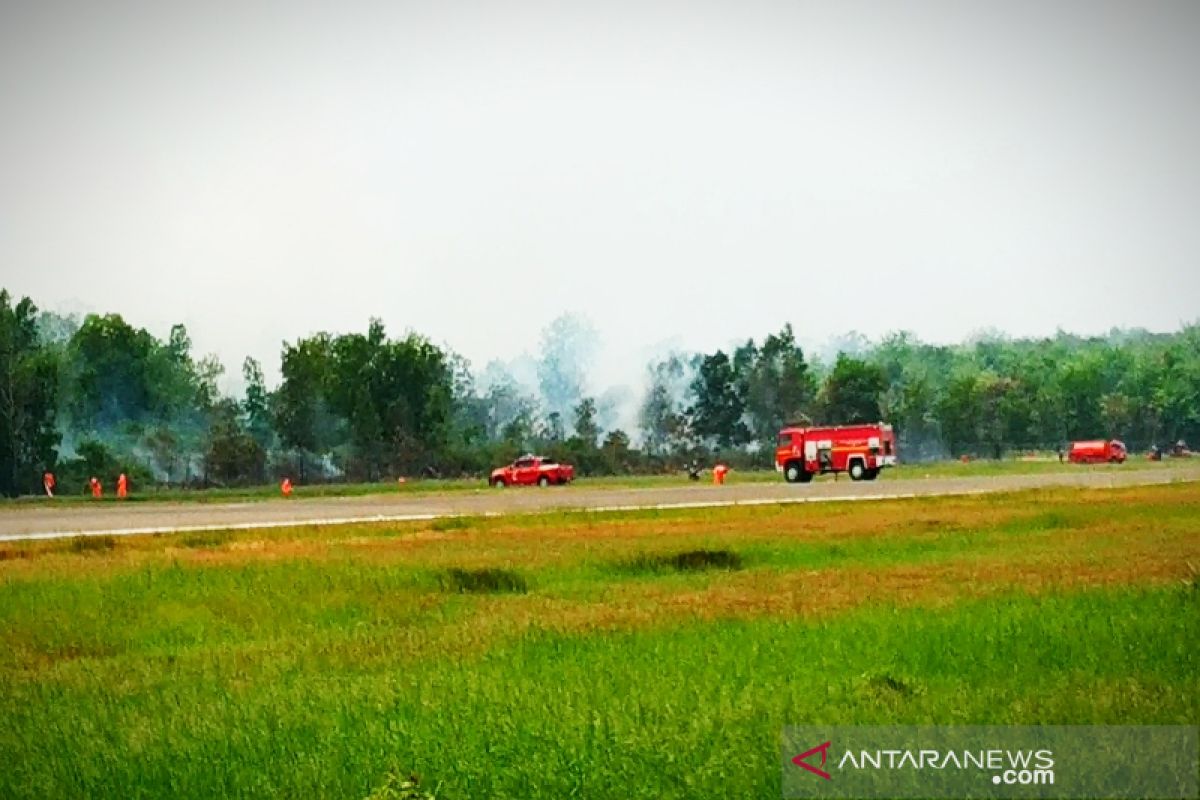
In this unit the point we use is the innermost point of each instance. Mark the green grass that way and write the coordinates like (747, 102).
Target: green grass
(693, 711)
(640, 654)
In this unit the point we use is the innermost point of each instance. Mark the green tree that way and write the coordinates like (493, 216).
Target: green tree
(718, 408)
(1003, 413)
(468, 434)
(383, 404)
(1118, 415)
(661, 418)
(233, 456)
(112, 378)
(618, 455)
(301, 417)
(586, 427)
(959, 412)
(1177, 394)
(1081, 384)
(552, 431)
(568, 347)
(257, 405)
(852, 391)
(28, 401)
(780, 388)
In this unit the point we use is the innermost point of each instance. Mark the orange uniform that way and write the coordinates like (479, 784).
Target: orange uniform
(48, 484)
(719, 472)
(122, 485)
(286, 487)
(97, 488)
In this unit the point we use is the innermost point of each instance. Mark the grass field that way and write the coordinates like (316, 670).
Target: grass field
(641, 654)
(939, 469)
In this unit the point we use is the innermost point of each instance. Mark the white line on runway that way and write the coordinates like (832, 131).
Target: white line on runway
(383, 518)
(425, 517)
(231, 526)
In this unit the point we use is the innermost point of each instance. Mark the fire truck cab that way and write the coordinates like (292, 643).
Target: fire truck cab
(861, 450)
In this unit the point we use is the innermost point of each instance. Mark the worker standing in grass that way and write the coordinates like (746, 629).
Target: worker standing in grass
(48, 483)
(97, 488)
(122, 486)
(286, 487)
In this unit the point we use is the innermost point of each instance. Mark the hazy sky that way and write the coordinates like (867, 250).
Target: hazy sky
(687, 172)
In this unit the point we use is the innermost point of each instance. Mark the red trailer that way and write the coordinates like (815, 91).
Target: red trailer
(1097, 451)
(861, 450)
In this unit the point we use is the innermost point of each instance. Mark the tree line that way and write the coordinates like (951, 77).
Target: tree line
(985, 398)
(98, 396)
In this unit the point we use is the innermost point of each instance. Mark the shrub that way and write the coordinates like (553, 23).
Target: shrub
(483, 581)
(92, 544)
(687, 561)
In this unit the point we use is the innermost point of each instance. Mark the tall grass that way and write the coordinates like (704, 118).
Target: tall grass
(327, 663)
(690, 711)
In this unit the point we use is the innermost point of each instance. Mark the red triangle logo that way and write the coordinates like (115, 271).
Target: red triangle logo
(801, 760)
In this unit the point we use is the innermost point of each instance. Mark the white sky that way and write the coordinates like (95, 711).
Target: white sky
(693, 172)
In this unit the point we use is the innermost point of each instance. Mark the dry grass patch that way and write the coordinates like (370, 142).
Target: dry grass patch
(823, 592)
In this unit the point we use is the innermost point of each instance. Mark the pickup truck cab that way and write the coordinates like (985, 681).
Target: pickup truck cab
(530, 470)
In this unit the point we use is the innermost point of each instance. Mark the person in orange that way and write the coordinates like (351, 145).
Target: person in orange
(719, 472)
(286, 487)
(97, 488)
(48, 483)
(122, 486)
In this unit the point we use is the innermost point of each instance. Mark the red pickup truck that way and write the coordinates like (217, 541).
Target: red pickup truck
(528, 470)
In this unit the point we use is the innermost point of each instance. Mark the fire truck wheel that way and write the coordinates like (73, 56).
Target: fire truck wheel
(805, 476)
(543, 481)
(857, 471)
(499, 483)
(871, 474)
(791, 472)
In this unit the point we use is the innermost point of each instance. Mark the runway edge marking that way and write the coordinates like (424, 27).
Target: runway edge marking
(426, 517)
(378, 518)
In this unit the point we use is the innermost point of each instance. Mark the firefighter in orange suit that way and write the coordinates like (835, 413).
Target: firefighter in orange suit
(719, 472)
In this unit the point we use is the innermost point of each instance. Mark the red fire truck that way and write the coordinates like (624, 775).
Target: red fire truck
(861, 450)
(1097, 452)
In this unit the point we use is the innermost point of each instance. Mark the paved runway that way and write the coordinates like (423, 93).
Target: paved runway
(48, 520)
